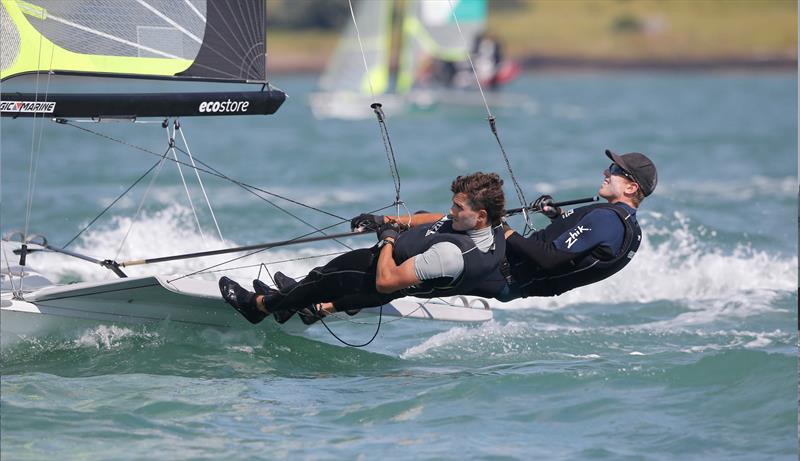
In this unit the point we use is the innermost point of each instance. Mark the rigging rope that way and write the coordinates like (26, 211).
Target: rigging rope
(36, 146)
(214, 172)
(493, 125)
(171, 142)
(114, 201)
(200, 181)
(206, 269)
(141, 204)
(378, 109)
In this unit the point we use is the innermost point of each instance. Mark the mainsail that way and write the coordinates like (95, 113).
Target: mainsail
(430, 31)
(189, 40)
(345, 71)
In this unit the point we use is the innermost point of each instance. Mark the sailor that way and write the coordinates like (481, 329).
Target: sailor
(580, 246)
(451, 255)
(584, 245)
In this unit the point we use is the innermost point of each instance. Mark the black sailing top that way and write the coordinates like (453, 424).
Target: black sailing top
(580, 247)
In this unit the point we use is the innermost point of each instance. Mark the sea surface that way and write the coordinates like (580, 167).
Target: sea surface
(689, 353)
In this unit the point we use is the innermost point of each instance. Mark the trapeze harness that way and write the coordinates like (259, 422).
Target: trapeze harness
(529, 279)
(477, 265)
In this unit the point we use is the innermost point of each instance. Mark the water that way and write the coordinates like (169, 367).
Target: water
(689, 353)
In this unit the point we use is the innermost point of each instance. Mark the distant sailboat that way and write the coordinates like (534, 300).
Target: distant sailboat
(432, 66)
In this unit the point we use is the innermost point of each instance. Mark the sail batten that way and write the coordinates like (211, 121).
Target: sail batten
(169, 21)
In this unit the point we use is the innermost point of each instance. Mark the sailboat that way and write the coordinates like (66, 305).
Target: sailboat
(437, 40)
(219, 42)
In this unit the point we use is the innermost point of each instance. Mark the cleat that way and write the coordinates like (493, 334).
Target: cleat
(242, 300)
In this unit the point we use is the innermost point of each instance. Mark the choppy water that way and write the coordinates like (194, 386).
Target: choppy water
(689, 353)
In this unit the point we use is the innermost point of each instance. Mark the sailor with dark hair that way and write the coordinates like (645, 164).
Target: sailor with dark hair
(453, 255)
(584, 245)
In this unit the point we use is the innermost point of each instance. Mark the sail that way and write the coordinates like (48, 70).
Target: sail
(219, 39)
(345, 70)
(430, 31)
(194, 40)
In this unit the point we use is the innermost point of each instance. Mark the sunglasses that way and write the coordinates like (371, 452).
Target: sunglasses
(617, 170)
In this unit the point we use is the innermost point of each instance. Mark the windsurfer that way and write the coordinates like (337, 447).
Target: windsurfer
(452, 255)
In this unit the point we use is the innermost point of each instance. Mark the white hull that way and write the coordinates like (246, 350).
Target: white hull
(155, 299)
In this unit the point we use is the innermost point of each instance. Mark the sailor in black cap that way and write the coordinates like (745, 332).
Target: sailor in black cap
(584, 245)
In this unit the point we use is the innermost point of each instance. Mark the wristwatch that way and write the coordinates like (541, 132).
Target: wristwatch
(385, 241)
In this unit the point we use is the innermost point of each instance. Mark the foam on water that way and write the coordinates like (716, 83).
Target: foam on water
(499, 339)
(676, 263)
(167, 232)
(111, 337)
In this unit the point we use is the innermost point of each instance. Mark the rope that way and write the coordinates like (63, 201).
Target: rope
(115, 201)
(250, 266)
(493, 126)
(200, 181)
(141, 204)
(375, 335)
(214, 172)
(34, 157)
(206, 269)
(171, 141)
(11, 275)
(377, 108)
(36, 146)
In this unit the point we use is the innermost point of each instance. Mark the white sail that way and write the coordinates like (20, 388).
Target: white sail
(431, 32)
(345, 71)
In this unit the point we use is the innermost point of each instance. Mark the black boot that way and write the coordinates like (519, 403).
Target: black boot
(262, 289)
(241, 300)
(309, 315)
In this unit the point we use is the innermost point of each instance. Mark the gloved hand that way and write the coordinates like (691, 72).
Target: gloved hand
(366, 221)
(545, 205)
(389, 229)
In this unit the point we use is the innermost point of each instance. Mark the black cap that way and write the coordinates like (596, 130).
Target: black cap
(640, 167)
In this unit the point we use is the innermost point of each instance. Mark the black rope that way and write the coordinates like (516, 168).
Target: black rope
(149, 170)
(214, 172)
(520, 195)
(211, 171)
(248, 266)
(378, 329)
(387, 146)
(206, 269)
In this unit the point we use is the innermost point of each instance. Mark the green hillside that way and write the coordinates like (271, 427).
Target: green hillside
(597, 30)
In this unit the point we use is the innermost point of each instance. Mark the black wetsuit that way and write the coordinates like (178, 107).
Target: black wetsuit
(349, 280)
(580, 247)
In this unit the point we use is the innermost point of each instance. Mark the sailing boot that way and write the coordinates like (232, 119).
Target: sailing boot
(241, 300)
(262, 289)
(308, 315)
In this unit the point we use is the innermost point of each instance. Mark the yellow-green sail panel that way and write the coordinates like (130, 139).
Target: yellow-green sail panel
(141, 37)
(34, 52)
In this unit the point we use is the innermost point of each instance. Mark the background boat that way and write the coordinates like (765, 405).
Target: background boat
(431, 68)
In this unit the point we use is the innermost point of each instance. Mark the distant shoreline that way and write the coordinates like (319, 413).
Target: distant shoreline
(315, 65)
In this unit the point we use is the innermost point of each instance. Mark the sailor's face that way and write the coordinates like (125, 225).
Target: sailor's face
(614, 186)
(464, 217)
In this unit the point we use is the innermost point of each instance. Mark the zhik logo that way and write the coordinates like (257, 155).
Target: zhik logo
(573, 235)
